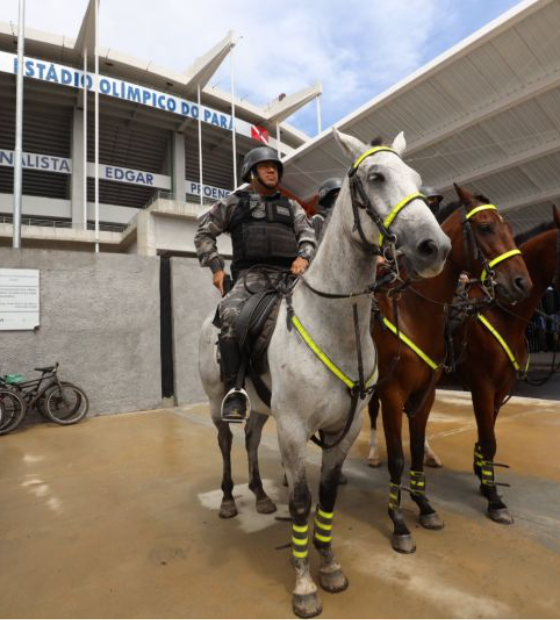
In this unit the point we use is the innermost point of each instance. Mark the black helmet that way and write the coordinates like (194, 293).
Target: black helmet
(257, 156)
(327, 188)
(430, 192)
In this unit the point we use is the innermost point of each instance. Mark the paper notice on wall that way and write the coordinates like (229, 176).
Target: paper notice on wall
(19, 299)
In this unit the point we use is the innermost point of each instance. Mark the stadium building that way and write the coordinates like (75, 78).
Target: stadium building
(162, 136)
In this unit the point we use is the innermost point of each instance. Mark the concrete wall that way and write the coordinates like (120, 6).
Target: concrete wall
(99, 319)
(193, 298)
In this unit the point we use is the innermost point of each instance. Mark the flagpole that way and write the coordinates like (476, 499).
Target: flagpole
(85, 139)
(233, 137)
(200, 146)
(18, 153)
(96, 126)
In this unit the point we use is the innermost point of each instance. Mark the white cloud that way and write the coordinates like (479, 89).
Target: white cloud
(355, 48)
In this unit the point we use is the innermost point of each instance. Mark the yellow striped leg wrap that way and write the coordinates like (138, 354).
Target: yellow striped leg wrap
(394, 496)
(300, 541)
(417, 482)
(323, 526)
(478, 457)
(487, 473)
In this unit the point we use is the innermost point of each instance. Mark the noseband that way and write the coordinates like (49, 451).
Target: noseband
(360, 200)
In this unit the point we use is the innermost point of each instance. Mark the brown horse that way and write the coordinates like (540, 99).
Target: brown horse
(407, 377)
(492, 376)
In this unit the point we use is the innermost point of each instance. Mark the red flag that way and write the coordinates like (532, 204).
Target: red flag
(259, 134)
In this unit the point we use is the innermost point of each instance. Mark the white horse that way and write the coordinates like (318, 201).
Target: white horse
(307, 396)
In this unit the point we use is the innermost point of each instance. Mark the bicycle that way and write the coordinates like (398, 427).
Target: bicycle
(12, 410)
(60, 401)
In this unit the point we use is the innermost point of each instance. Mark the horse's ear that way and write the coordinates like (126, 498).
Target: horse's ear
(349, 145)
(464, 195)
(399, 144)
(556, 215)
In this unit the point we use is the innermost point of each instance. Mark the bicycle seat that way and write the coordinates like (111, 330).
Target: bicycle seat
(46, 369)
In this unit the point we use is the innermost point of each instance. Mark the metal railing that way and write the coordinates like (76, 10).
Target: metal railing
(49, 223)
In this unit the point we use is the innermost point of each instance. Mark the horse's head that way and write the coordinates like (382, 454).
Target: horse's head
(484, 242)
(381, 205)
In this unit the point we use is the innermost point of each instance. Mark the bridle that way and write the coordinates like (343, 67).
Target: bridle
(359, 199)
(469, 238)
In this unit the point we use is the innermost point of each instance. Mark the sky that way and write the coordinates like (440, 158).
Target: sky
(355, 48)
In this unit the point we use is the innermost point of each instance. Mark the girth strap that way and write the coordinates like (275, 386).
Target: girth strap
(503, 344)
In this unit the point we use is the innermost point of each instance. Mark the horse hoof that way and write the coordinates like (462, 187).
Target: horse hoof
(374, 462)
(500, 515)
(266, 506)
(342, 479)
(307, 605)
(432, 521)
(333, 582)
(403, 543)
(432, 460)
(228, 509)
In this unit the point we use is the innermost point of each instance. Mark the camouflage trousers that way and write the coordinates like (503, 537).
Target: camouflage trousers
(247, 284)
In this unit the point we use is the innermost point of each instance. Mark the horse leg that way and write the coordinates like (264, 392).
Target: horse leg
(228, 508)
(331, 577)
(392, 409)
(484, 451)
(293, 439)
(373, 409)
(253, 434)
(431, 459)
(429, 518)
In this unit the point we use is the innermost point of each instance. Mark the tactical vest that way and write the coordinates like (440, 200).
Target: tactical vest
(269, 240)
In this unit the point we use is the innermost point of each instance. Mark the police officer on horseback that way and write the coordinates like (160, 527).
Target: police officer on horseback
(433, 197)
(270, 236)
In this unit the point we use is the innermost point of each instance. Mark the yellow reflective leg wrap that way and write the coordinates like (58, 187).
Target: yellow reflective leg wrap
(417, 482)
(394, 496)
(323, 527)
(300, 541)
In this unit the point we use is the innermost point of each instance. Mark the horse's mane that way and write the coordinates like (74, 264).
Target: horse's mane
(445, 211)
(523, 237)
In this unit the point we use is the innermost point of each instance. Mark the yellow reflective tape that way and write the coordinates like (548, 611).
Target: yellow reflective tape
(300, 528)
(395, 211)
(323, 526)
(479, 209)
(411, 344)
(324, 539)
(488, 472)
(300, 541)
(499, 338)
(300, 554)
(418, 483)
(326, 361)
(325, 515)
(499, 259)
(393, 496)
(372, 151)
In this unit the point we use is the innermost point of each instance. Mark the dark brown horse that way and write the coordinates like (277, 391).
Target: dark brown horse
(492, 376)
(407, 377)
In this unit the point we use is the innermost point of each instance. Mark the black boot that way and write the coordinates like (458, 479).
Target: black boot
(234, 405)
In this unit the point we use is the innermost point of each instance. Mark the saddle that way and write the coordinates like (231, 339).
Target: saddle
(255, 326)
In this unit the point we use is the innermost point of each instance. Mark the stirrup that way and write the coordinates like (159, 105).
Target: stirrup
(236, 420)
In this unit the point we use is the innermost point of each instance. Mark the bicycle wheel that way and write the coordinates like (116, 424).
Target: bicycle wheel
(66, 404)
(13, 410)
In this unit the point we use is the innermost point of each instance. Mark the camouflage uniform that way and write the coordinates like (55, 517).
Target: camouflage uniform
(216, 222)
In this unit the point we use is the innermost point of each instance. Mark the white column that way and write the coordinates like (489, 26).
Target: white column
(84, 156)
(319, 124)
(178, 163)
(18, 152)
(78, 179)
(233, 137)
(96, 125)
(200, 148)
(278, 139)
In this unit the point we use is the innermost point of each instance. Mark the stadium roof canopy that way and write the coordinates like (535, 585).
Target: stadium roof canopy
(485, 114)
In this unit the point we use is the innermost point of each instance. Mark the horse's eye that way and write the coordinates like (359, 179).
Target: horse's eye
(376, 177)
(486, 229)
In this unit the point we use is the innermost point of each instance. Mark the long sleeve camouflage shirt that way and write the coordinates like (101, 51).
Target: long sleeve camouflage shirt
(216, 221)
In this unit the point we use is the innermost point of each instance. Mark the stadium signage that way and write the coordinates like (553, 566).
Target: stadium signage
(120, 89)
(49, 163)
